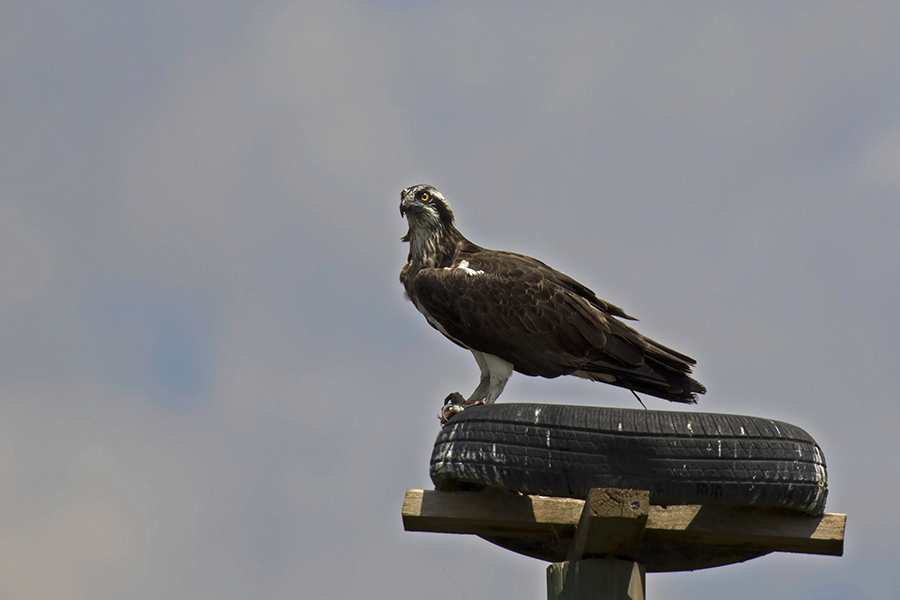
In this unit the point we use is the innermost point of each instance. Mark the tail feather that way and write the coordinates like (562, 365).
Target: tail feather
(664, 373)
(682, 389)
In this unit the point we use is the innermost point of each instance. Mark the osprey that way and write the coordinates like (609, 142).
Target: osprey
(515, 313)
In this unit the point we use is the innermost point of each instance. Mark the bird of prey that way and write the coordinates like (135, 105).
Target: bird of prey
(515, 313)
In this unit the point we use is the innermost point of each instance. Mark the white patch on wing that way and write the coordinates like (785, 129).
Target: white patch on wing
(464, 265)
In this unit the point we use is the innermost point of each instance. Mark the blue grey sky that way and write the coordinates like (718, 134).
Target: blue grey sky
(211, 385)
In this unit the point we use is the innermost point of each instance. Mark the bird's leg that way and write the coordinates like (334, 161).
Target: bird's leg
(480, 395)
(455, 403)
(495, 372)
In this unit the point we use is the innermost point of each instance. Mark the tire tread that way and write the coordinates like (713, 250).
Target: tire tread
(682, 458)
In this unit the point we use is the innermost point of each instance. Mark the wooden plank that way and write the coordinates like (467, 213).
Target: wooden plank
(514, 515)
(746, 527)
(612, 523)
(490, 513)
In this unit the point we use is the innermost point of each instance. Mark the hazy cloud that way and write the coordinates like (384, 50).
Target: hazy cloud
(212, 384)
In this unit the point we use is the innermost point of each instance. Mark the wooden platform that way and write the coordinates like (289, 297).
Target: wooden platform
(622, 525)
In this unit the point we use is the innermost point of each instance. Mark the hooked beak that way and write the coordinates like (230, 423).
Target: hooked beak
(404, 204)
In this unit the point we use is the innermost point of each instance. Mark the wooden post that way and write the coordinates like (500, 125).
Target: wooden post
(596, 579)
(601, 563)
(611, 525)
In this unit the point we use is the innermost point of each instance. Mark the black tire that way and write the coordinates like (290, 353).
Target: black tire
(680, 457)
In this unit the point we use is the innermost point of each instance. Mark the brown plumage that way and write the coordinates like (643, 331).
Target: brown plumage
(516, 313)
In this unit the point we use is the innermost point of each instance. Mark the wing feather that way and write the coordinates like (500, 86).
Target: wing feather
(523, 311)
(546, 323)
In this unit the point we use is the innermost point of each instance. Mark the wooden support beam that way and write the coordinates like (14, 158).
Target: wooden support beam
(612, 524)
(705, 535)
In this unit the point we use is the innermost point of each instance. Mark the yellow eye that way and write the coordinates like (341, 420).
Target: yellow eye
(425, 196)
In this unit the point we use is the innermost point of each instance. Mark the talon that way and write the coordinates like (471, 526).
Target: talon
(454, 398)
(448, 411)
(455, 404)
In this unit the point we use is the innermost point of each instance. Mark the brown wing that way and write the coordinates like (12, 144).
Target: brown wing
(520, 310)
(545, 323)
(513, 264)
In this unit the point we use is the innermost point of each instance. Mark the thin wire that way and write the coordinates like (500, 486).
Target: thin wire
(638, 398)
(459, 589)
(631, 389)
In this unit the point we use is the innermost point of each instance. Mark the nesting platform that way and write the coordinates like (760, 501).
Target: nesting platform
(601, 547)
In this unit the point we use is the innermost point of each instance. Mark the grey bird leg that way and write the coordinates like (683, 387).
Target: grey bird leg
(495, 372)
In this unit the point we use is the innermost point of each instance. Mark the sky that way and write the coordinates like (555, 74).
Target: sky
(211, 385)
